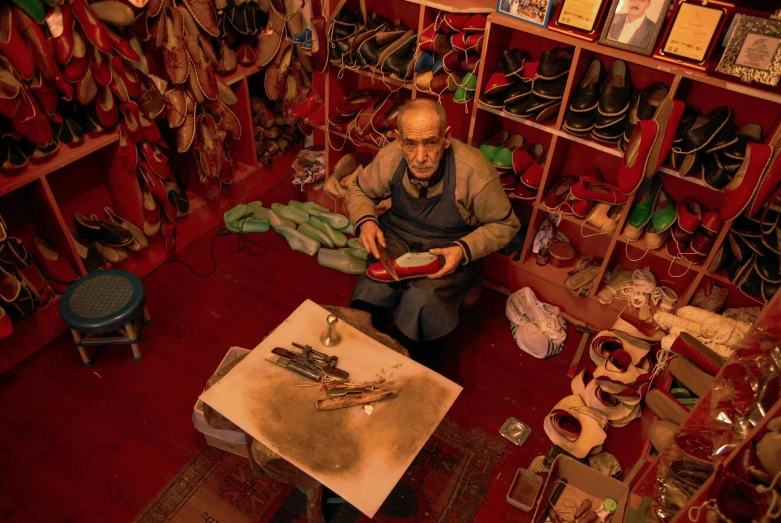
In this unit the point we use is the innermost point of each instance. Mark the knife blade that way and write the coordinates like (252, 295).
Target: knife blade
(385, 261)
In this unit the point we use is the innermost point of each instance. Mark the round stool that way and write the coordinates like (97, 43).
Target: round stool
(103, 302)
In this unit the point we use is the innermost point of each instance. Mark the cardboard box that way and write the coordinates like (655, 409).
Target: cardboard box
(228, 440)
(582, 482)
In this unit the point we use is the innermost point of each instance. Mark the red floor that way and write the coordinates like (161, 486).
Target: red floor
(98, 444)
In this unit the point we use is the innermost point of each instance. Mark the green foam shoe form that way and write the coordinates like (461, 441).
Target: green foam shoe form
(248, 224)
(354, 243)
(236, 214)
(358, 253)
(285, 211)
(334, 219)
(307, 207)
(317, 235)
(33, 8)
(341, 261)
(336, 237)
(273, 218)
(297, 241)
(350, 229)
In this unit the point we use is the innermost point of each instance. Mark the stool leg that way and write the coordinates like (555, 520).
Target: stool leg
(82, 350)
(132, 334)
(147, 316)
(314, 505)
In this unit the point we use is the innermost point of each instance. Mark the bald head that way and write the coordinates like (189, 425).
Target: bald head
(422, 109)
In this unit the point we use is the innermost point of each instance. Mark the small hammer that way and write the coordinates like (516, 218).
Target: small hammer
(585, 331)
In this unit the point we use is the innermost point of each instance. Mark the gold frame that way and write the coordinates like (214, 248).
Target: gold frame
(744, 26)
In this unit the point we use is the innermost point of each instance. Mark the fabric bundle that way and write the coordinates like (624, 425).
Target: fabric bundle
(537, 327)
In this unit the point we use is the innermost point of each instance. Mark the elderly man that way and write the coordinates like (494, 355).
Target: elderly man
(445, 199)
(633, 27)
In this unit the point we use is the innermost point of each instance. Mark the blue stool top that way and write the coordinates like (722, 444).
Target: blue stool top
(102, 301)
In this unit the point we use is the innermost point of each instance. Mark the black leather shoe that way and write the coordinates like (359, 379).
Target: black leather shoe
(369, 51)
(769, 290)
(400, 61)
(715, 174)
(578, 123)
(644, 107)
(586, 97)
(611, 134)
(752, 284)
(12, 158)
(616, 91)
(704, 130)
(743, 226)
(550, 89)
(493, 100)
(603, 122)
(555, 63)
(689, 116)
(516, 93)
(749, 133)
(70, 131)
(767, 267)
(90, 123)
(738, 270)
(770, 241)
(511, 61)
(100, 231)
(740, 250)
(535, 104)
(723, 258)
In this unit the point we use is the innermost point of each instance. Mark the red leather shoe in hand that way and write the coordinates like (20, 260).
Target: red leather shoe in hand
(408, 266)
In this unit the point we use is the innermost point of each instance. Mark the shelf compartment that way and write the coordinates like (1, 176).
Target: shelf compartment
(458, 115)
(548, 126)
(736, 297)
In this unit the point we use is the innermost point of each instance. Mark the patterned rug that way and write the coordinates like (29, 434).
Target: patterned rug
(445, 483)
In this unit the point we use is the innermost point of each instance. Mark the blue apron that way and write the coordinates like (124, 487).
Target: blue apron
(424, 309)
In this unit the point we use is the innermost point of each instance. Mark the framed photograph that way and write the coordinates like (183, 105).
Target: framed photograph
(579, 18)
(753, 52)
(693, 32)
(634, 25)
(536, 12)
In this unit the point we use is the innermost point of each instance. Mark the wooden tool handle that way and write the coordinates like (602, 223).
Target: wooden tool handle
(352, 400)
(573, 367)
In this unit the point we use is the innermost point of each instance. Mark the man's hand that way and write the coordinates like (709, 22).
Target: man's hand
(371, 236)
(453, 257)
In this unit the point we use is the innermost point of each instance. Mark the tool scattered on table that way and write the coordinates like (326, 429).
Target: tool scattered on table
(385, 261)
(331, 337)
(310, 363)
(351, 400)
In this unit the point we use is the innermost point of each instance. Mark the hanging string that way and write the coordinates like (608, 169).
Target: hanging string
(626, 252)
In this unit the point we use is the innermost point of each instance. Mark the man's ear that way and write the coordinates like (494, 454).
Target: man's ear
(448, 130)
(397, 134)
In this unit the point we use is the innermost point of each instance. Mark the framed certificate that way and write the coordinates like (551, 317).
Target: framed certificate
(536, 12)
(753, 52)
(634, 25)
(693, 31)
(579, 18)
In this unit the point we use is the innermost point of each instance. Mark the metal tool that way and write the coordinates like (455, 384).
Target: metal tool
(331, 337)
(310, 363)
(385, 261)
(585, 330)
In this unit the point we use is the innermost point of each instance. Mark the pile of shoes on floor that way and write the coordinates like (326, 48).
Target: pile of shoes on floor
(307, 227)
(526, 88)
(367, 116)
(519, 163)
(361, 40)
(273, 132)
(79, 81)
(448, 55)
(639, 288)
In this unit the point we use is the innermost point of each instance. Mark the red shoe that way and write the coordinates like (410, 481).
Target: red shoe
(558, 193)
(744, 185)
(476, 23)
(711, 221)
(408, 266)
(689, 215)
(667, 116)
(521, 192)
(767, 185)
(157, 160)
(13, 46)
(55, 266)
(456, 21)
(78, 64)
(62, 32)
(6, 327)
(99, 65)
(458, 41)
(133, 122)
(93, 28)
(474, 42)
(122, 46)
(385, 115)
(452, 61)
(426, 38)
(45, 93)
(497, 83)
(106, 108)
(697, 352)
(156, 188)
(128, 152)
(636, 156)
(150, 211)
(128, 76)
(150, 128)
(596, 191)
(317, 117)
(303, 109)
(41, 47)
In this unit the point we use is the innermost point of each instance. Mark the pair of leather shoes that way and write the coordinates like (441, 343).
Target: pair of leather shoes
(613, 104)
(580, 114)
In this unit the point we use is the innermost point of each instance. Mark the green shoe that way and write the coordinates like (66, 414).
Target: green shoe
(297, 241)
(307, 207)
(317, 235)
(358, 253)
(469, 82)
(249, 224)
(273, 218)
(491, 146)
(350, 229)
(664, 214)
(503, 159)
(341, 261)
(33, 8)
(641, 211)
(354, 243)
(336, 237)
(285, 211)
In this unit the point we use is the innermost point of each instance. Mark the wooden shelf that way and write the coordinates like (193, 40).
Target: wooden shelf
(66, 154)
(368, 145)
(660, 253)
(459, 6)
(588, 142)
(549, 127)
(380, 77)
(241, 72)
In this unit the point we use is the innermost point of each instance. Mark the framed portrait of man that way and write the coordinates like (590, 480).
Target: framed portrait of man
(634, 25)
(536, 12)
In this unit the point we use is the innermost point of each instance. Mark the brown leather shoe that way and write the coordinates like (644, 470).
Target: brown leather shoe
(174, 50)
(185, 133)
(175, 106)
(271, 38)
(210, 146)
(246, 55)
(205, 15)
(225, 93)
(262, 112)
(226, 62)
(204, 71)
(151, 100)
(192, 86)
(225, 119)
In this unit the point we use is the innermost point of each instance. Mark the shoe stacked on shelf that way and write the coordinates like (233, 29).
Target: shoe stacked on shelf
(274, 132)
(519, 163)
(238, 24)
(448, 55)
(367, 116)
(527, 88)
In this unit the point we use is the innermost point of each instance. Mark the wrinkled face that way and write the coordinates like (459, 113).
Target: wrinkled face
(637, 8)
(422, 141)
